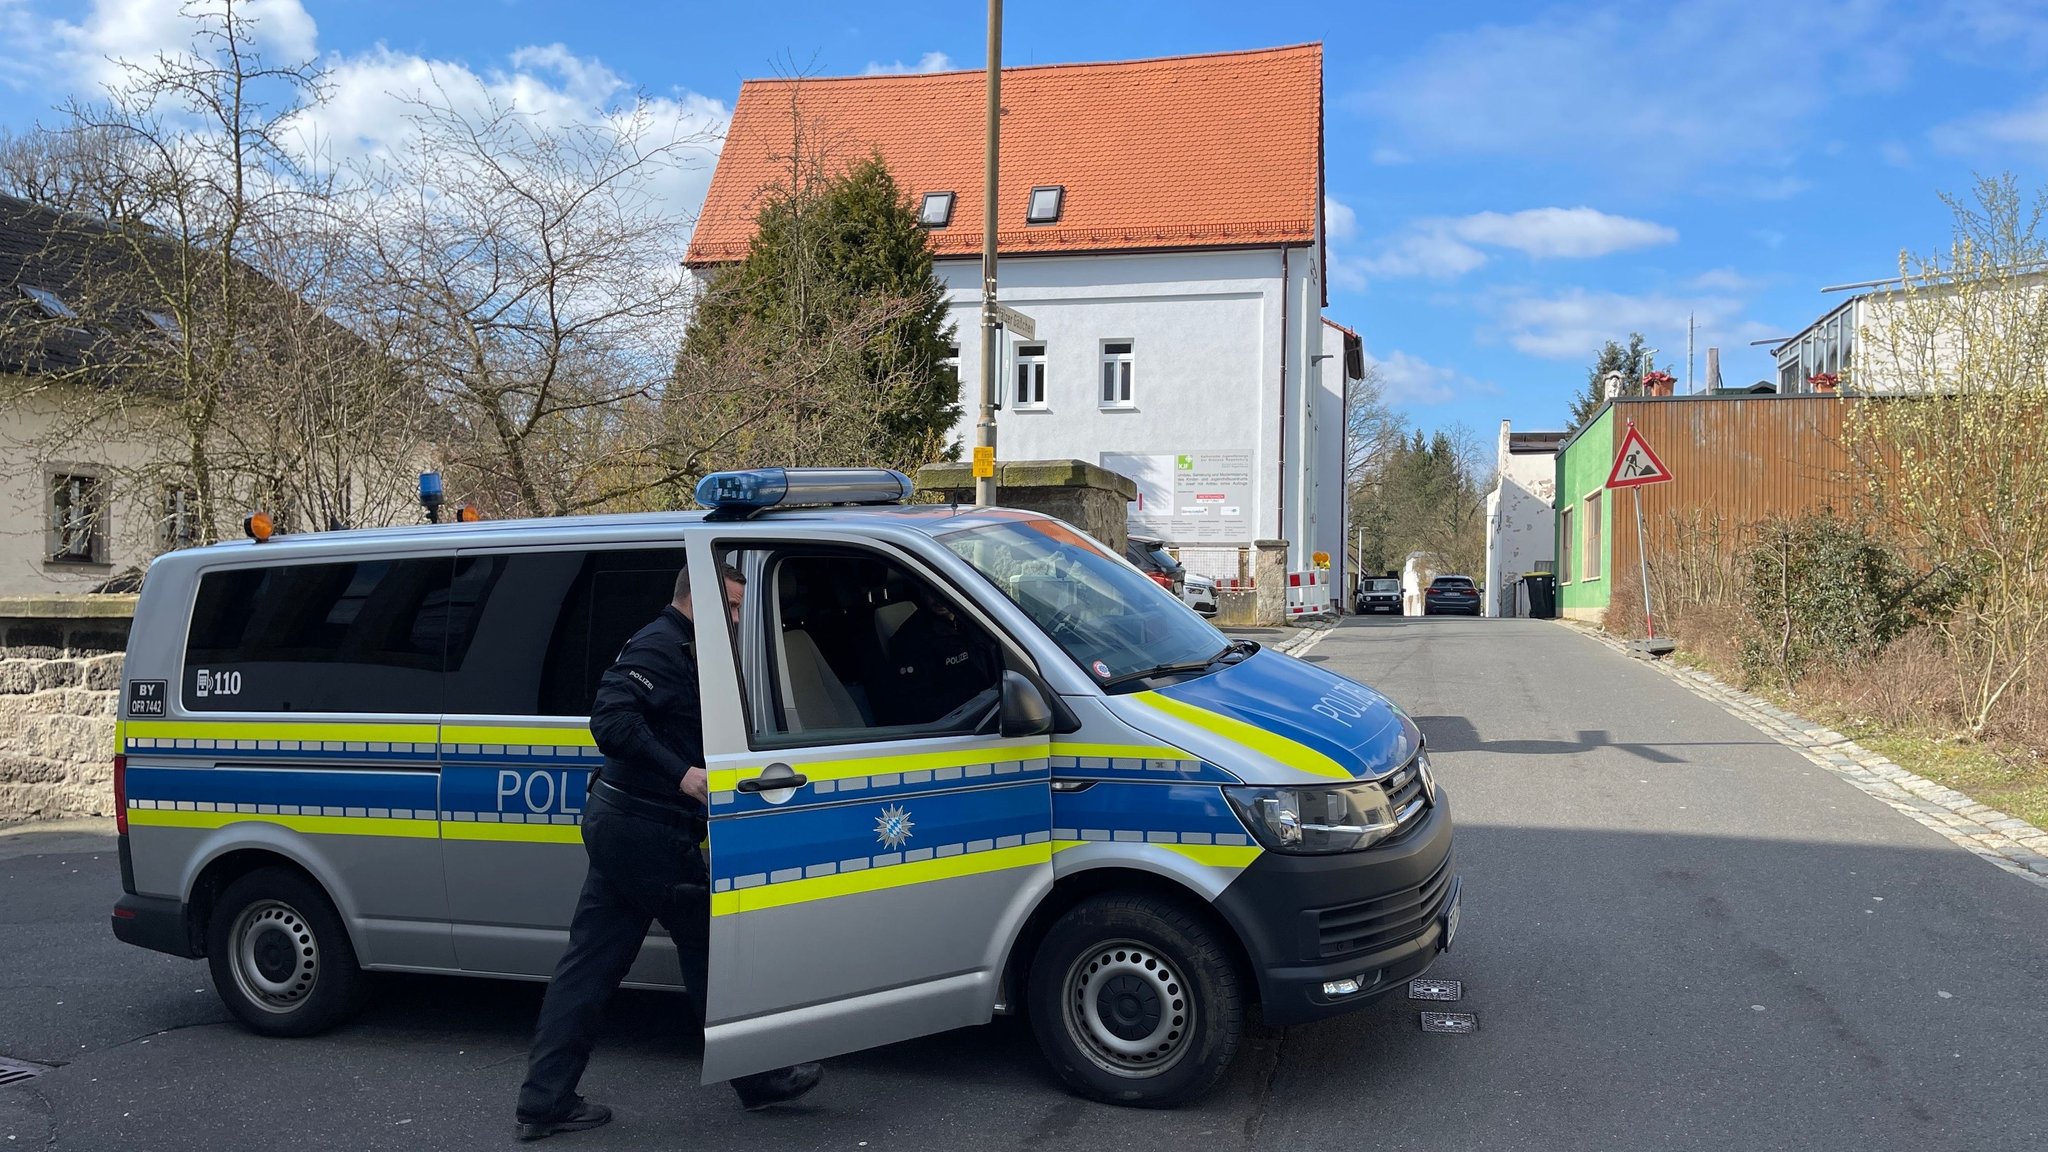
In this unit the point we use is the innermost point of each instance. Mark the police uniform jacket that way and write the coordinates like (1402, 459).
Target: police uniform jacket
(648, 718)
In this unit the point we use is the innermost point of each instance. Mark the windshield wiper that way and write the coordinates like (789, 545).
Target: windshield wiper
(1236, 648)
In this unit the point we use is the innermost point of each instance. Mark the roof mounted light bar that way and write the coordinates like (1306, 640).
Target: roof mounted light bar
(736, 495)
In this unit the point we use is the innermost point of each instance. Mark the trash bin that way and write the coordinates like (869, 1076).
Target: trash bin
(1542, 594)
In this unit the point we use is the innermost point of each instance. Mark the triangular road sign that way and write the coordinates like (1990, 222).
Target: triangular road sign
(1635, 464)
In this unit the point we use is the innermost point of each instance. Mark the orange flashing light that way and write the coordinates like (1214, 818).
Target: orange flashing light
(257, 525)
(468, 514)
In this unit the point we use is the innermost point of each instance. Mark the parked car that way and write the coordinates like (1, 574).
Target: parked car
(1150, 555)
(1379, 594)
(1199, 592)
(1449, 595)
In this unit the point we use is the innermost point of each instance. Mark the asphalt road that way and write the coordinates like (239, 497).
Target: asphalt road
(1676, 935)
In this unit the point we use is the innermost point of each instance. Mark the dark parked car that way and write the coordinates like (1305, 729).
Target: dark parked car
(1450, 595)
(1150, 555)
(1379, 594)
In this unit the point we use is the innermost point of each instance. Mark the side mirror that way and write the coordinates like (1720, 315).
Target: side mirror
(1024, 710)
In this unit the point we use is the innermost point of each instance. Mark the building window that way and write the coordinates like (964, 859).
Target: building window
(177, 525)
(52, 304)
(1116, 374)
(1045, 204)
(1030, 375)
(165, 324)
(78, 519)
(936, 211)
(1591, 563)
(1564, 542)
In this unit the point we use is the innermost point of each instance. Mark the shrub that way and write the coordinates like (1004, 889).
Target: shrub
(1825, 592)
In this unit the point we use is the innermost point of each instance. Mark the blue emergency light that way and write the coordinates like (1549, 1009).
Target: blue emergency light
(758, 488)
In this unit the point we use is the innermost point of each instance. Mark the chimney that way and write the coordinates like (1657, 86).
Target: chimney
(1713, 369)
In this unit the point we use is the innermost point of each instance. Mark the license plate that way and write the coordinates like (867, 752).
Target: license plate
(1451, 922)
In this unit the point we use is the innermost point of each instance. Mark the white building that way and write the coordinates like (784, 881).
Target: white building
(1855, 341)
(1163, 229)
(1521, 534)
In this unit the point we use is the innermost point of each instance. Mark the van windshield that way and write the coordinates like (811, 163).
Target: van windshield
(1111, 619)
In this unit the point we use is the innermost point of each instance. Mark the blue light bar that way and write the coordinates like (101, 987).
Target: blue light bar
(786, 487)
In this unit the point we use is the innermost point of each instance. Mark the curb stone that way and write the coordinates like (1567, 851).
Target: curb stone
(1311, 634)
(1992, 836)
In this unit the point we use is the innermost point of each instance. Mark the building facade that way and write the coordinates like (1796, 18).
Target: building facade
(1163, 230)
(1521, 534)
(1736, 460)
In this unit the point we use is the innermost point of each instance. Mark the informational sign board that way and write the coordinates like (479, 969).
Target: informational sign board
(1018, 324)
(1189, 497)
(984, 462)
(1635, 464)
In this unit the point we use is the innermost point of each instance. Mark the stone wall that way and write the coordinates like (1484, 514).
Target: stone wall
(57, 733)
(1088, 496)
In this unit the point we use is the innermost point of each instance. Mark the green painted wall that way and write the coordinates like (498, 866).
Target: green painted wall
(1581, 469)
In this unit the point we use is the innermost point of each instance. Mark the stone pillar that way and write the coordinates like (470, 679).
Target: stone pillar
(1088, 496)
(1270, 572)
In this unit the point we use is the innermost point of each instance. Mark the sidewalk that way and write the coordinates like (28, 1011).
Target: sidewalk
(1291, 638)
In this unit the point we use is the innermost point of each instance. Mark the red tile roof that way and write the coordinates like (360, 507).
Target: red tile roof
(1217, 151)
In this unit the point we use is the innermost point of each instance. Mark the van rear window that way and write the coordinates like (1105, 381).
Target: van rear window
(360, 636)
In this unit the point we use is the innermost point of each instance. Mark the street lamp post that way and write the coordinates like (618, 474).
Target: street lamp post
(985, 427)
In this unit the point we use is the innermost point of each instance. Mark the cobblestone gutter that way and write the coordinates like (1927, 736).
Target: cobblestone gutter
(2005, 841)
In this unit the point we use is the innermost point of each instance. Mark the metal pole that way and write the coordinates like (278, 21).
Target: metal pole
(985, 427)
(1643, 559)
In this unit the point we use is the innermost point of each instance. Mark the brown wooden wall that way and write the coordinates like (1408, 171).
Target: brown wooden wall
(1742, 459)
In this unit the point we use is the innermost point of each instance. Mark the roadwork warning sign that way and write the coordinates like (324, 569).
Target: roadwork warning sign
(1635, 464)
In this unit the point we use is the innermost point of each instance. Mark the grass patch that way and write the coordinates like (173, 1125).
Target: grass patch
(2012, 780)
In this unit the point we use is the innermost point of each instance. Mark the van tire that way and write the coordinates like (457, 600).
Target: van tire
(281, 957)
(1136, 1001)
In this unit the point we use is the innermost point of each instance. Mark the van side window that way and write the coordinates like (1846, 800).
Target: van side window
(360, 636)
(842, 646)
(548, 624)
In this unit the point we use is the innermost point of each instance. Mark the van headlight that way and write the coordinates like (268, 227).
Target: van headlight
(1315, 821)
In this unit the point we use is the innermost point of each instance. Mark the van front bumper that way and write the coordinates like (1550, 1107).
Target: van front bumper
(1376, 918)
(154, 922)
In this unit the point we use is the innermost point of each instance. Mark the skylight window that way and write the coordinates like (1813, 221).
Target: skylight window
(52, 304)
(937, 210)
(1045, 204)
(163, 322)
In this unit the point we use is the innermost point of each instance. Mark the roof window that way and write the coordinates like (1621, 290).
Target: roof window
(937, 210)
(163, 322)
(52, 304)
(1045, 204)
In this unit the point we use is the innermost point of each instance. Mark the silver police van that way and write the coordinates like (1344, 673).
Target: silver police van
(367, 750)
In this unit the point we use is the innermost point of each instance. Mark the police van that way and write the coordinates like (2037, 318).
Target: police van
(367, 751)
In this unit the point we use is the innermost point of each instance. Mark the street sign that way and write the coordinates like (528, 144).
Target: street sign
(1020, 325)
(984, 462)
(1635, 464)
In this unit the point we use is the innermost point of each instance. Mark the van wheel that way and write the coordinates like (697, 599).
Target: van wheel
(1135, 1001)
(281, 960)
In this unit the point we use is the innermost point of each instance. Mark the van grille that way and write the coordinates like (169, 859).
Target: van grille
(1385, 921)
(1404, 788)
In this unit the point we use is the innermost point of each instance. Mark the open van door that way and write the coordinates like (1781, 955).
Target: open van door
(880, 799)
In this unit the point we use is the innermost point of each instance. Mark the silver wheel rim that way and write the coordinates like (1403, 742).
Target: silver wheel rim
(274, 955)
(1128, 1010)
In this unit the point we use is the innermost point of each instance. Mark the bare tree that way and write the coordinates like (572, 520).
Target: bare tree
(529, 274)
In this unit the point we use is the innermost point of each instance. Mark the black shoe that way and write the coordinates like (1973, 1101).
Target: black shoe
(584, 1116)
(777, 1087)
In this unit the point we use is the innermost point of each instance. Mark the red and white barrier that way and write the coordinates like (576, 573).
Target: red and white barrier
(1308, 593)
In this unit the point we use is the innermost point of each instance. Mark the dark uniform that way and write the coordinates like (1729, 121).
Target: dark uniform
(937, 662)
(642, 835)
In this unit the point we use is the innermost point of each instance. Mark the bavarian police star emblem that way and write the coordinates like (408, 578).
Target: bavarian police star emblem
(893, 826)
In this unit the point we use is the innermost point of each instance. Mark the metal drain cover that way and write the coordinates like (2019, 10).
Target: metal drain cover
(16, 1071)
(1435, 989)
(1454, 1022)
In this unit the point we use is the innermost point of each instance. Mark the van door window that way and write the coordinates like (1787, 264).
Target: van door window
(360, 636)
(548, 624)
(846, 647)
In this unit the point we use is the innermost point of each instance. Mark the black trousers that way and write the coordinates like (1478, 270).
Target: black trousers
(641, 870)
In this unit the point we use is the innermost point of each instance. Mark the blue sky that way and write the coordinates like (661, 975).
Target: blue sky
(1512, 183)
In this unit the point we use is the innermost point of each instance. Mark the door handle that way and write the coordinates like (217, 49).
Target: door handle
(774, 778)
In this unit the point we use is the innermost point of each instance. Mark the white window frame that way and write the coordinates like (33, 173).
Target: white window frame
(1593, 546)
(1028, 358)
(1128, 360)
(98, 528)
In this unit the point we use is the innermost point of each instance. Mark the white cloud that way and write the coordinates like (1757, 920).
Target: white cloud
(929, 62)
(1339, 221)
(139, 30)
(1413, 380)
(1389, 156)
(1573, 233)
(1721, 280)
(1896, 154)
(1445, 248)
(2023, 126)
(1572, 325)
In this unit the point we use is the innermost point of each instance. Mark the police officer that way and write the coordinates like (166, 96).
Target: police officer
(937, 662)
(643, 820)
